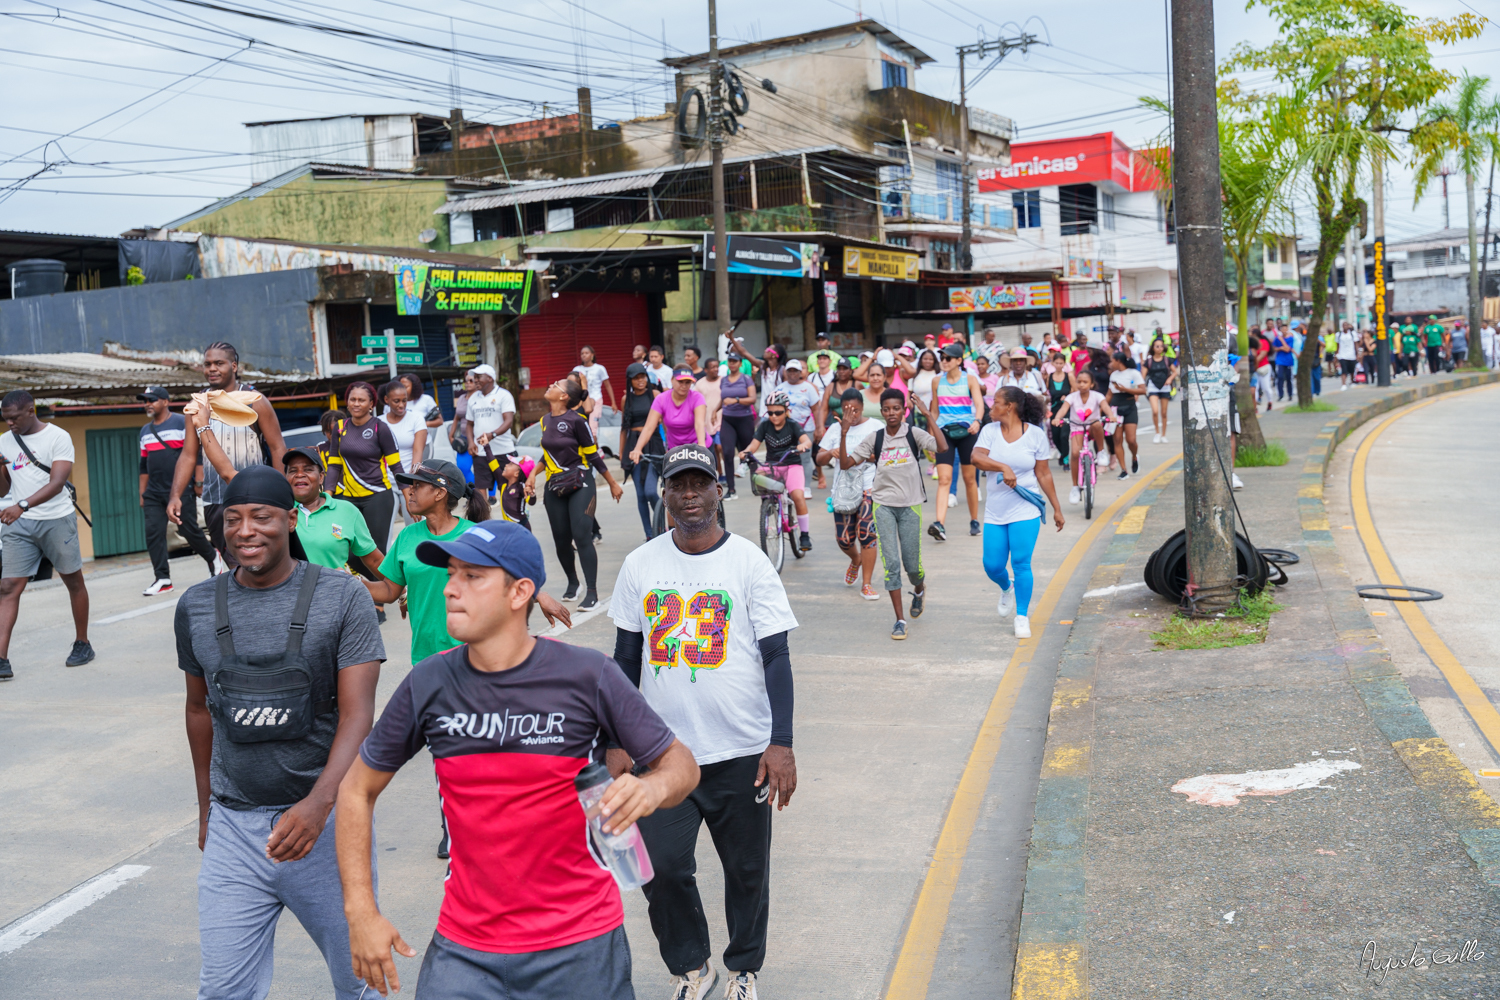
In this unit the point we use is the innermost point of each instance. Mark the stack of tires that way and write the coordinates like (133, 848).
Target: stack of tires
(1167, 572)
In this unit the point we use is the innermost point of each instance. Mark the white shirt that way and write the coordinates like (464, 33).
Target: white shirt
(857, 433)
(424, 405)
(594, 376)
(701, 617)
(660, 374)
(50, 445)
(921, 384)
(1002, 505)
(1487, 339)
(993, 350)
(1130, 378)
(1137, 350)
(1029, 382)
(1347, 348)
(405, 432)
(804, 398)
(487, 411)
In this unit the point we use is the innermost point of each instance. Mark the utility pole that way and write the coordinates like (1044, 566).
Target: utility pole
(1000, 47)
(1200, 264)
(1484, 254)
(716, 144)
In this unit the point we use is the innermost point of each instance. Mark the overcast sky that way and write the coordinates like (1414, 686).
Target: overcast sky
(134, 112)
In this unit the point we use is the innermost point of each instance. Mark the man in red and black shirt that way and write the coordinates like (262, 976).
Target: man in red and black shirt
(529, 912)
(161, 444)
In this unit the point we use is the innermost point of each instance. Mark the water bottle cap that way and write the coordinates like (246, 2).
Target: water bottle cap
(592, 774)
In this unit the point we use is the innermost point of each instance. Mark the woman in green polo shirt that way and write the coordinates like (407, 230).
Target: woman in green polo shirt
(331, 531)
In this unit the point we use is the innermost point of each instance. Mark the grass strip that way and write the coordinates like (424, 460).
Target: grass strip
(1255, 458)
(1318, 406)
(1244, 625)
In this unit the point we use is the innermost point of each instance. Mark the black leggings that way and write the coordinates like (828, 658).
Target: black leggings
(735, 434)
(572, 526)
(377, 508)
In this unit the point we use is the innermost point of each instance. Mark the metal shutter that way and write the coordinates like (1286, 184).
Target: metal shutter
(611, 322)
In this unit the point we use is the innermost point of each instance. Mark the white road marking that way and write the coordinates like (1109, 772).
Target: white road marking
(164, 605)
(579, 617)
(1117, 588)
(39, 922)
(1226, 789)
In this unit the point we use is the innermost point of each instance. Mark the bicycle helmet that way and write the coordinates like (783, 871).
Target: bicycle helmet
(779, 398)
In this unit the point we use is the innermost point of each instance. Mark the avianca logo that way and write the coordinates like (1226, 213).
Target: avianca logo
(528, 728)
(1035, 166)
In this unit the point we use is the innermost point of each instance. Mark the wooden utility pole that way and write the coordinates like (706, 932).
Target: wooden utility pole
(716, 144)
(1000, 48)
(1200, 265)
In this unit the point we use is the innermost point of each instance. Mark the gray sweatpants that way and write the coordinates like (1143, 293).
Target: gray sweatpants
(241, 894)
(898, 532)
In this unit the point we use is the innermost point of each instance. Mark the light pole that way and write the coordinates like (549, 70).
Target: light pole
(716, 146)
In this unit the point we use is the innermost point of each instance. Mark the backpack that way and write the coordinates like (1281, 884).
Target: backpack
(916, 454)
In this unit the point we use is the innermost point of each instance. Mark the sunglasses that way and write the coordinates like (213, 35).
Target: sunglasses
(776, 413)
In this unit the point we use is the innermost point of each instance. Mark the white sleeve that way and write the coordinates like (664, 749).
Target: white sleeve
(625, 605)
(770, 611)
(62, 449)
(830, 439)
(507, 402)
(1041, 444)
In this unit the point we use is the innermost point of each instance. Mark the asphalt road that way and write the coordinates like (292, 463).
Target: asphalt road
(97, 775)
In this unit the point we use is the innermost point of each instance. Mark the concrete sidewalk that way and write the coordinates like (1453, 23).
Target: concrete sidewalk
(1387, 852)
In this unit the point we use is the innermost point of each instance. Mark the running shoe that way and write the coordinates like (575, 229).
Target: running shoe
(1236, 481)
(695, 985)
(1023, 627)
(899, 631)
(1165, 439)
(590, 601)
(804, 542)
(82, 653)
(973, 527)
(1135, 464)
(936, 530)
(442, 850)
(731, 495)
(571, 594)
(741, 987)
(1004, 606)
(1156, 439)
(379, 615)
(868, 593)
(1073, 495)
(5, 672)
(918, 601)
(851, 574)
(1123, 475)
(159, 587)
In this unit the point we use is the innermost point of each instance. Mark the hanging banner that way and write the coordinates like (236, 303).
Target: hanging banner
(1084, 269)
(759, 255)
(880, 265)
(989, 298)
(441, 290)
(831, 300)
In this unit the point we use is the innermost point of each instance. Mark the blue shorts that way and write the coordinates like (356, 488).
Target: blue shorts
(714, 441)
(603, 963)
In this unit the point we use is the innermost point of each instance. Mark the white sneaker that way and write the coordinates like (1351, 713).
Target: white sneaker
(1235, 481)
(1343, 388)
(159, 587)
(1004, 604)
(740, 987)
(1156, 439)
(695, 985)
(1165, 439)
(1074, 496)
(1023, 627)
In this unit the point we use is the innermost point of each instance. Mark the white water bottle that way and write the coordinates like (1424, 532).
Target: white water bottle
(624, 853)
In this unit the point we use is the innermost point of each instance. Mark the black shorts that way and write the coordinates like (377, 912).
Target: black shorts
(1346, 365)
(1128, 412)
(451, 970)
(964, 446)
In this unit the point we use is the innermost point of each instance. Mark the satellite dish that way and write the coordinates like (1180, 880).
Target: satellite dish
(428, 235)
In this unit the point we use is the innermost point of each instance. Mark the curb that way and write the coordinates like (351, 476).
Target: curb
(1052, 945)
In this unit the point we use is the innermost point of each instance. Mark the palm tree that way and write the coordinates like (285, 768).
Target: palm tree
(1466, 129)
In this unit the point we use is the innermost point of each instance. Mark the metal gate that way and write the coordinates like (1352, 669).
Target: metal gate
(114, 491)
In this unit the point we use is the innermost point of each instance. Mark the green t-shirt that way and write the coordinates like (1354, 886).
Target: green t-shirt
(1410, 342)
(333, 533)
(1434, 332)
(424, 584)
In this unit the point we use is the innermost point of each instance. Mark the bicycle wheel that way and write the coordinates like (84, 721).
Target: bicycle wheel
(659, 518)
(791, 538)
(1086, 462)
(771, 540)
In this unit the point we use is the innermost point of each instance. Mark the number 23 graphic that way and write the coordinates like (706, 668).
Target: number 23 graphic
(672, 643)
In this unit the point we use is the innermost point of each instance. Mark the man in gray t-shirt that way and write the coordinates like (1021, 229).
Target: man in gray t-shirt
(266, 787)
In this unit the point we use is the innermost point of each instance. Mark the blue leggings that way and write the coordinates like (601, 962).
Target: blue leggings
(1012, 543)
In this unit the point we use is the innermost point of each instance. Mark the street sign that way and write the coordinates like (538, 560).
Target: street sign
(409, 359)
(370, 359)
(380, 342)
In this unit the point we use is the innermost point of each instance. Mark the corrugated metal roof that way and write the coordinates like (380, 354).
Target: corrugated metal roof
(75, 373)
(552, 191)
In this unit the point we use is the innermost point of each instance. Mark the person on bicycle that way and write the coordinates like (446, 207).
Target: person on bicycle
(785, 443)
(1085, 411)
(635, 409)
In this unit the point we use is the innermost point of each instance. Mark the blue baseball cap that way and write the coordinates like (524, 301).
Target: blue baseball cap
(494, 543)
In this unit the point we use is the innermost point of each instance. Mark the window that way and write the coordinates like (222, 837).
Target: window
(1106, 210)
(892, 74)
(944, 254)
(949, 177)
(1273, 253)
(346, 325)
(1078, 207)
(1028, 209)
(898, 241)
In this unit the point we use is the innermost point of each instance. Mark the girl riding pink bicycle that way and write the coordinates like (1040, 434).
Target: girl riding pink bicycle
(1085, 411)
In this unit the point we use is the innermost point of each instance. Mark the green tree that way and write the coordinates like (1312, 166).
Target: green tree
(1362, 64)
(1465, 128)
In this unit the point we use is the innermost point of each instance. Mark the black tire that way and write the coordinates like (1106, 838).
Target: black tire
(659, 518)
(1088, 488)
(772, 542)
(699, 132)
(1166, 570)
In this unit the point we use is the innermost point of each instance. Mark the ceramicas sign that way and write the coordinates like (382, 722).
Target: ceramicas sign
(1082, 160)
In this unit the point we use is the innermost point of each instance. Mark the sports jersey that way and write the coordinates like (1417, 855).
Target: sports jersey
(160, 445)
(506, 746)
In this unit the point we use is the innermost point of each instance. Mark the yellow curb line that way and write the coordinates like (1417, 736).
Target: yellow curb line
(924, 935)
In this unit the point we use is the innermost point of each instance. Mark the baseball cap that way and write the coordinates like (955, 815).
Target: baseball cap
(152, 392)
(483, 370)
(504, 544)
(822, 335)
(947, 326)
(306, 451)
(682, 372)
(906, 350)
(796, 365)
(633, 369)
(843, 362)
(953, 351)
(687, 458)
(443, 475)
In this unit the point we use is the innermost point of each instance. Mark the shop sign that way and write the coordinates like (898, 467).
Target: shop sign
(990, 298)
(759, 255)
(431, 289)
(1079, 160)
(1084, 269)
(831, 300)
(880, 265)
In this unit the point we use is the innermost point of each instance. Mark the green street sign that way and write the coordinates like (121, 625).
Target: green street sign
(370, 359)
(409, 359)
(380, 342)
(408, 341)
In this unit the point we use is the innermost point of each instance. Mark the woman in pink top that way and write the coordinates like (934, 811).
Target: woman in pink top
(683, 412)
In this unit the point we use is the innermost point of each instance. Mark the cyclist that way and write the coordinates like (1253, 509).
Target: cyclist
(1161, 372)
(959, 409)
(786, 443)
(635, 409)
(1085, 410)
(854, 530)
(1127, 386)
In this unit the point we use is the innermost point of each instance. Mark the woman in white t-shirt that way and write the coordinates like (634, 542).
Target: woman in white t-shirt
(921, 383)
(1014, 446)
(409, 428)
(1085, 411)
(1126, 385)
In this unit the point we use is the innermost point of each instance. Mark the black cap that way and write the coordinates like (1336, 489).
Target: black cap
(152, 392)
(953, 351)
(633, 369)
(308, 452)
(689, 457)
(822, 335)
(443, 475)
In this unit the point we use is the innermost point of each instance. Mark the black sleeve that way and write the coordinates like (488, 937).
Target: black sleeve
(628, 648)
(777, 659)
(187, 660)
(588, 448)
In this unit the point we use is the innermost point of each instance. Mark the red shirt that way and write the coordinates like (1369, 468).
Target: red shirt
(1079, 357)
